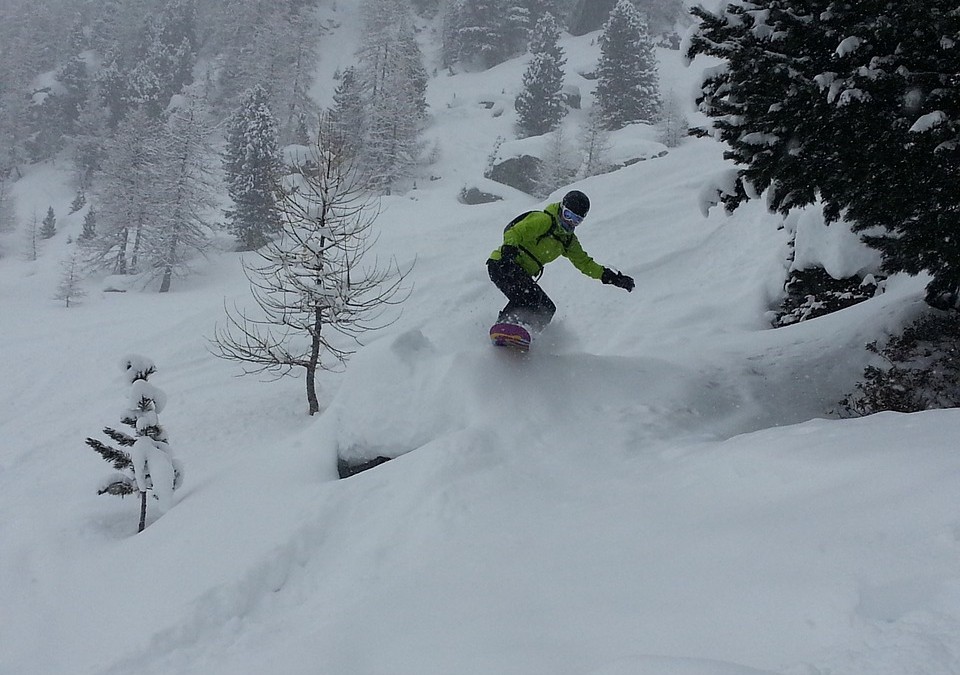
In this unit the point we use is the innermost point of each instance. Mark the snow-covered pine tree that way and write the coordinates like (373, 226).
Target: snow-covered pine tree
(130, 207)
(628, 88)
(8, 213)
(69, 289)
(540, 106)
(79, 201)
(48, 227)
(187, 192)
(89, 232)
(253, 166)
(661, 15)
(450, 50)
(490, 31)
(144, 460)
(89, 141)
(314, 292)
(537, 9)
(158, 65)
(851, 104)
(346, 118)
(75, 81)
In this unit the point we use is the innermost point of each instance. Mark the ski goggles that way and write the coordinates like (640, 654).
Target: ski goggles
(570, 217)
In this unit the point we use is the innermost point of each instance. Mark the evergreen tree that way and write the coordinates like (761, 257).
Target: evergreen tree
(540, 106)
(537, 9)
(49, 226)
(450, 50)
(590, 15)
(166, 57)
(311, 284)
(346, 116)
(628, 88)
(252, 164)
(855, 105)
(89, 141)
(144, 461)
(76, 86)
(490, 31)
(89, 232)
(79, 201)
(8, 213)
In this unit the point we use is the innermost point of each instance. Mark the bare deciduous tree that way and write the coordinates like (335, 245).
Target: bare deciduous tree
(314, 292)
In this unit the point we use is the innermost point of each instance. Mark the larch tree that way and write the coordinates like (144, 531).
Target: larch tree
(130, 207)
(188, 193)
(69, 290)
(395, 82)
(315, 292)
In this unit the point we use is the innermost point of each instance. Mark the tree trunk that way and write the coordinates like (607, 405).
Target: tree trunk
(165, 283)
(313, 363)
(143, 511)
(121, 265)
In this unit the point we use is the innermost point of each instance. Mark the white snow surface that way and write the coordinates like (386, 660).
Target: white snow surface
(654, 489)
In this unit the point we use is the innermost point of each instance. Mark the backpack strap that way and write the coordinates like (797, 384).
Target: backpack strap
(554, 227)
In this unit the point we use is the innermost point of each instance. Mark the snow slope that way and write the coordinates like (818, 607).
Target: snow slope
(654, 489)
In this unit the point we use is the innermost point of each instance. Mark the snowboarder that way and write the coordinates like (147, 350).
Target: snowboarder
(531, 241)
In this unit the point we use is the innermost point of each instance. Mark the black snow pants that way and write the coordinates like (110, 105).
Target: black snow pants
(528, 303)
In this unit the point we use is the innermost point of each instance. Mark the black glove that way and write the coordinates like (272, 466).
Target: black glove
(617, 279)
(508, 252)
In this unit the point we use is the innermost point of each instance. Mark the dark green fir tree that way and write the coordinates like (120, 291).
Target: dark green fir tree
(252, 164)
(628, 86)
(855, 105)
(48, 227)
(540, 105)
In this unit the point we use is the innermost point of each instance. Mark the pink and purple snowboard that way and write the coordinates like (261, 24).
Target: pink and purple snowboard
(510, 335)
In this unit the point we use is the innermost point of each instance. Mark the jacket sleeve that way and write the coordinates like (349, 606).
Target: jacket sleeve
(582, 261)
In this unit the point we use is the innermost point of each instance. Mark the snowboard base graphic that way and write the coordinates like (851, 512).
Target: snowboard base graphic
(510, 335)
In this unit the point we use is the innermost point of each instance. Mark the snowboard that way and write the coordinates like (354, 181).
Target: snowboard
(510, 335)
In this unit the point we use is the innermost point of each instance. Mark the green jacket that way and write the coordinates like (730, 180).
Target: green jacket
(541, 240)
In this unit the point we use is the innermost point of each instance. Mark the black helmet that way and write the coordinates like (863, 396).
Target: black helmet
(577, 202)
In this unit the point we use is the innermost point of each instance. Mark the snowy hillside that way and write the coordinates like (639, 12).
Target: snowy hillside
(655, 489)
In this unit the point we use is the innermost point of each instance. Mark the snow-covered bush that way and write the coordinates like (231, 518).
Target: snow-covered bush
(144, 460)
(920, 369)
(813, 292)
